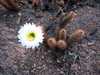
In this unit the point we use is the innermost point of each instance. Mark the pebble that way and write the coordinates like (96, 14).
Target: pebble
(61, 72)
(39, 67)
(90, 43)
(74, 67)
(82, 54)
(5, 15)
(19, 14)
(58, 69)
(87, 58)
(89, 12)
(34, 65)
(42, 57)
(32, 70)
(11, 16)
(83, 45)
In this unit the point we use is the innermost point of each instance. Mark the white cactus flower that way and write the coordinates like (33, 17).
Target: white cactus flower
(30, 35)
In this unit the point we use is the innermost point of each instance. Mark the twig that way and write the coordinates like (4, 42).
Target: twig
(27, 3)
(81, 65)
(59, 10)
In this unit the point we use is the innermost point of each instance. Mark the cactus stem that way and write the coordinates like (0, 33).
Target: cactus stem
(75, 36)
(67, 19)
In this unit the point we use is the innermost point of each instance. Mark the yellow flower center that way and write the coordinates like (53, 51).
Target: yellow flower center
(31, 36)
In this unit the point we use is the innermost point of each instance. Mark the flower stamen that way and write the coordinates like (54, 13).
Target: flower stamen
(31, 36)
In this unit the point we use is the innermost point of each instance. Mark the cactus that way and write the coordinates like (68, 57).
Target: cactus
(62, 34)
(61, 10)
(52, 43)
(75, 36)
(45, 36)
(61, 44)
(13, 5)
(9, 5)
(54, 4)
(61, 3)
(67, 19)
(62, 17)
(35, 3)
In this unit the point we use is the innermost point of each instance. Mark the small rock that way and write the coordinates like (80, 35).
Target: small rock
(82, 54)
(34, 65)
(11, 15)
(39, 67)
(61, 72)
(42, 57)
(83, 45)
(32, 70)
(90, 43)
(58, 69)
(50, 71)
(5, 15)
(74, 68)
(89, 12)
(18, 21)
(19, 14)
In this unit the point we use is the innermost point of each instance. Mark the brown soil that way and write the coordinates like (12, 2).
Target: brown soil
(83, 58)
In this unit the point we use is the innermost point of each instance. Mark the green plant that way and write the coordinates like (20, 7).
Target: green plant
(52, 43)
(9, 5)
(75, 36)
(62, 17)
(67, 19)
(62, 34)
(35, 3)
(62, 44)
(61, 3)
(54, 2)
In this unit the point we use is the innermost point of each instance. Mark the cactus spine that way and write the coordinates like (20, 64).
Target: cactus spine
(67, 19)
(61, 44)
(62, 34)
(52, 43)
(75, 36)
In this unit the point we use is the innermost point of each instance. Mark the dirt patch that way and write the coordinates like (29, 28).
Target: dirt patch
(82, 59)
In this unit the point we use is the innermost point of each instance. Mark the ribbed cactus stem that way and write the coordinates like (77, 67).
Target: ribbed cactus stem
(62, 44)
(12, 4)
(5, 5)
(62, 17)
(9, 5)
(61, 3)
(35, 3)
(52, 43)
(54, 4)
(62, 34)
(67, 19)
(45, 36)
(75, 36)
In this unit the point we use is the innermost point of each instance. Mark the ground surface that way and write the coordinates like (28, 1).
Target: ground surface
(82, 59)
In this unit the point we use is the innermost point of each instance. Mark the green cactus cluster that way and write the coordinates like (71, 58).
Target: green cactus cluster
(67, 19)
(63, 42)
